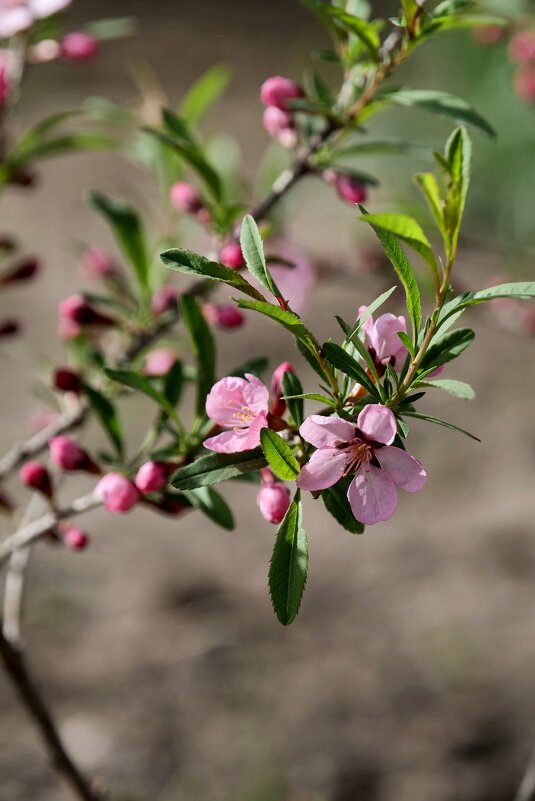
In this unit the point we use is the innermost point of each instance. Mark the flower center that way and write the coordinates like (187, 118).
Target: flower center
(357, 452)
(241, 413)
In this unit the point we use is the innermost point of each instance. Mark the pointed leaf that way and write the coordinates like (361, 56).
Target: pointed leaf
(106, 414)
(289, 564)
(341, 359)
(203, 347)
(407, 229)
(457, 388)
(217, 467)
(279, 455)
(442, 103)
(213, 505)
(185, 261)
(253, 253)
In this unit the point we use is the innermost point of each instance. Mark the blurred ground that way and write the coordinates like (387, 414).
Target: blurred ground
(408, 675)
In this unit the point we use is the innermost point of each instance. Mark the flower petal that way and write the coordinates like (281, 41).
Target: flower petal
(225, 399)
(403, 469)
(372, 495)
(232, 441)
(256, 394)
(384, 339)
(253, 435)
(324, 469)
(326, 432)
(378, 423)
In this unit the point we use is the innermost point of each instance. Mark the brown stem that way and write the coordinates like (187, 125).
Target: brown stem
(30, 697)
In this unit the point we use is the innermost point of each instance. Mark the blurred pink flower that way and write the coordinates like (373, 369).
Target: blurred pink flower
(278, 91)
(165, 299)
(522, 47)
(296, 282)
(152, 477)
(159, 362)
(117, 492)
(67, 455)
(74, 538)
(19, 15)
(223, 315)
(241, 405)
(79, 46)
(231, 256)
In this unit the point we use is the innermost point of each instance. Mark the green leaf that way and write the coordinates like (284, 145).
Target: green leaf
(522, 290)
(217, 467)
(315, 396)
(457, 388)
(203, 347)
(374, 305)
(204, 93)
(447, 348)
(185, 261)
(253, 253)
(382, 147)
(453, 23)
(439, 422)
(194, 157)
(279, 455)
(115, 28)
(442, 103)
(213, 505)
(256, 366)
(458, 154)
(142, 384)
(288, 319)
(176, 126)
(173, 383)
(292, 389)
(406, 275)
(106, 414)
(312, 362)
(128, 231)
(335, 501)
(67, 143)
(407, 229)
(341, 359)
(365, 31)
(407, 342)
(428, 185)
(289, 564)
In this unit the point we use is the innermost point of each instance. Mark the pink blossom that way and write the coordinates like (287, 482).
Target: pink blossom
(522, 47)
(296, 282)
(67, 380)
(98, 263)
(278, 91)
(240, 405)
(350, 189)
(185, 198)
(35, 475)
(280, 125)
(19, 15)
(75, 539)
(165, 299)
(159, 362)
(381, 339)
(69, 456)
(79, 46)
(278, 406)
(524, 83)
(76, 309)
(273, 501)
(231, 256)
(364, 451)
(117, 493)
(151, 477)
(223, 315)
(4, 85)
(68, 329)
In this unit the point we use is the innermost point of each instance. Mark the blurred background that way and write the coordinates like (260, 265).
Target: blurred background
(408, 674)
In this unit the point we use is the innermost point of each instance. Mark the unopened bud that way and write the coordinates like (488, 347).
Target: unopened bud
(79, 46)
(350, 189)
(36, 476)
(67, 380)
(278, 406)
(223, 316)
(76, 309)
(164, 299)
(117, 493)
(522, 47)
(524, 83)
(159, 362)
(273, 501)
(278, 91)
(23, 271)
(185, 198)
(69, 456)
(98, 263)
(75, 539)
(152, 477)
(231, 256)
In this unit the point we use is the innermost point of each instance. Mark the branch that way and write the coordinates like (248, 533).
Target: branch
(25, 687)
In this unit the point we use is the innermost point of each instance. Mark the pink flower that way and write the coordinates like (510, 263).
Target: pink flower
(67, 380)
(273, 501)
(350, 189)
(69, 456)
(524, 83)
(185, 198)
(151, 477)
(296, 282)
(159, 362)
(76, 309)
(117, 493)
(278, 406)
(241, 405)
(522, 47)
(280, 125)
(381, 339)
(231, 256)
(36, 476)
(278, 91)
(224, 316)
(4, 85)
(75, 539)
(98, 263)
(19, 15)
(364, 451)
(164, 299)
(79, 46)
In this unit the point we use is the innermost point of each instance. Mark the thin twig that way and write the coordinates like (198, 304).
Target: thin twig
(26, 688)
(526, 790)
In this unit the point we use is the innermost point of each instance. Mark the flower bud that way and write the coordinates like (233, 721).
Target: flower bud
(159, 362)
(24, 271)
(9, 328)
(276, 121)
(76, 309)
(224, 316)
(67, 380)
(151, 477)
(278, 406)
(98, 263)
(69, 456)
(528, 320)
(164, 299)
(487, 35)
(231, 256)
(349, 189)
(68, 329)
(36, 476)
(117, 493)
(522, 47)
(273, 501)
(169, 505)
(185, 198)
(524, 83)
(4, 86)
(75, 539)
(79, 46)
(44, 51)
(278, 91)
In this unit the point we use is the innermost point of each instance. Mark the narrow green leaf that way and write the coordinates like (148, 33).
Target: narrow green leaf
(365, 31)
(288, 319)
(442, 103)
(253, 253)
(446, 348)
(458, 154)
(203, 347)
(312, 361)
(428, 185)
(289, 564)
(173, 383)
(457, 388)
(141, 384)
(115, 28)
(315, 396)
(407, 342)
(213, 505)
(439, 422)
(204, 93)
(335, 501)
(217, 467)
(407, 229)
(194, 157)
(279, 455)
(292, 389)
(376, 304)
(106, 414)
(185, 261)
(341, 359)
(523, 290)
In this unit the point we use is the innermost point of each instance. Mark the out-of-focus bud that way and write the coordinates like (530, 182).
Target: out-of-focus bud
(159, 362)
(487, 35)
(278, 406)
(74, 538)
(36, 476)
(278, 91)
(24, 271)
(69, 456)
(7, 243)
(76, 309)
(231, 256)
(98, 263)
(67, 380)
(164, 299)
(349, 189)
(5, 503)
(4, 85)
(79, 46)
(522, 47)
(117, 493)
(9, 328)
(152, 477)
(528, 319)
(185, 198)
(169, 505)
(279, 124)
(223, 316)
(273, 501)
(44, 51)
(68, 329)
(524, 83)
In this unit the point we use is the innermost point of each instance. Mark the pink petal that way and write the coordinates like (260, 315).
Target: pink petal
(378, 423)
(14, 20)
(324, 469)
(253, 435)
(44, 8)
(384, 339)
(403, 469)
(326, 432)
(232, 441)
(256, 394)
(372, 495)
(224, 399)
(367, 326)
(295, 283)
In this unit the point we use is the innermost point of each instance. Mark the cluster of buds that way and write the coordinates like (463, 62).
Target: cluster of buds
(276, 94)
(186, 199)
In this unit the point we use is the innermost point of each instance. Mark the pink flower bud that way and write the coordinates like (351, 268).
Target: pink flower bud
(4, 86)
(278, 406)
(159, 362)
(164, 299)
(185, 198)
(276, 121)
(76, 309)
(36, 476)
(67, 380)
(24, 271)
(44, 51)
(273, 501)
(528, 320)
(98, 263)
(69, 456)
(151, 477)
(224, 316)
(487, 35)
(117, 493)
(169, 505)
(524, 83)
(231, 256)
(278, 91)
(350, 189)
(68, 329)
(79, 46)
(522, 47)
(75, 539)
(9, 328)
